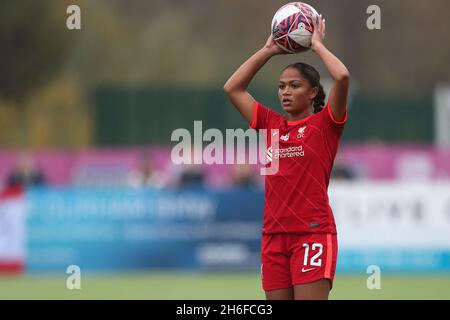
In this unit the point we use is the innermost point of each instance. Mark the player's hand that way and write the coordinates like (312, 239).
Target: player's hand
(272, 47)
(318, 34)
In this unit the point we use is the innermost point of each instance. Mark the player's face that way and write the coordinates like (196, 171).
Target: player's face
(295, 92)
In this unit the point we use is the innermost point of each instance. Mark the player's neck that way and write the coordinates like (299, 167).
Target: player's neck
(299, 116)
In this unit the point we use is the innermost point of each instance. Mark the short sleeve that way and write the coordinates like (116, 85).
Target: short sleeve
(330, 118)
(263, 117)
(332, 128)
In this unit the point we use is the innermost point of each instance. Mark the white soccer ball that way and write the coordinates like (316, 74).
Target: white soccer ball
(292, 26)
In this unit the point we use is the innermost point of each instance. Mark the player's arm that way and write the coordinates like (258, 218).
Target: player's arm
(237, 84)
(339, 92)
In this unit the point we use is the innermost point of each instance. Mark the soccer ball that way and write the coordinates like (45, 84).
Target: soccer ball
(292, 26)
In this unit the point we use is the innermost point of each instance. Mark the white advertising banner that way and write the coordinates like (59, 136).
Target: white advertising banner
(12, 230)
(392, 215)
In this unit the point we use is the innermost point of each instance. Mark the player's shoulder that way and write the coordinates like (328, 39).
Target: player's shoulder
(321, 114)
(325, 117)
(263, 108)
(268, 112)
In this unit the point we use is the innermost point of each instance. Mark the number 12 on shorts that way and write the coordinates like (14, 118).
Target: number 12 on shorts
(314, 261)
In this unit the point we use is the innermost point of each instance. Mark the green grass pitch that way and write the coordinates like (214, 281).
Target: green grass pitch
(193, 286)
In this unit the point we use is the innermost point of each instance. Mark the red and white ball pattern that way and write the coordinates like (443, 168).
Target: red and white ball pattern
(292, 26)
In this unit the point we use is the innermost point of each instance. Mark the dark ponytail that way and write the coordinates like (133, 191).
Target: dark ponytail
(319, 100)
(313, 77)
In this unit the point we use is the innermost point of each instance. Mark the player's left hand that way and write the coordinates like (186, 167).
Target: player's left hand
(319, 33)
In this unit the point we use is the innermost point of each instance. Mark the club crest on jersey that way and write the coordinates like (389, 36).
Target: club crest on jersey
(269, 155)
(301, 132)
(285, 137)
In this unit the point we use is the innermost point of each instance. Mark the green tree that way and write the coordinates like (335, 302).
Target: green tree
(33, 45)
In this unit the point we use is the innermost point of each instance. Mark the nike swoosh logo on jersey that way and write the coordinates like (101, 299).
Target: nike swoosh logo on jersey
(306, 270)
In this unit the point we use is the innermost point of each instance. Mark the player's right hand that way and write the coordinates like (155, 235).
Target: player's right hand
(273, 47)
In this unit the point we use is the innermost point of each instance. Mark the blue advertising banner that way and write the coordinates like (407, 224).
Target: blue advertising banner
(132, 229)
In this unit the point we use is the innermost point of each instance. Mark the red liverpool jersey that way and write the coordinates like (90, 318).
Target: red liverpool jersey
(296, 196)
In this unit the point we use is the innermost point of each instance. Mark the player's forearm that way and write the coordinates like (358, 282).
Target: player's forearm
(241, 79)
(335, 67)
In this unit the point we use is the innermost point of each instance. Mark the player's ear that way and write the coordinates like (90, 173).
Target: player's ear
(313, 93)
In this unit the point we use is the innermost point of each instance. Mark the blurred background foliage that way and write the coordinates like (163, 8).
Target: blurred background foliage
(53, 80)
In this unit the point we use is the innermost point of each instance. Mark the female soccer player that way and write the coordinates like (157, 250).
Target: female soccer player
(299, 243)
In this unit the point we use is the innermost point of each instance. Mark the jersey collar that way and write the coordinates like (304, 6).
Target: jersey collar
(293, 123)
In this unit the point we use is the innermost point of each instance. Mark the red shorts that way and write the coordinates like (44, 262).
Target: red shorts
(289, 259)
